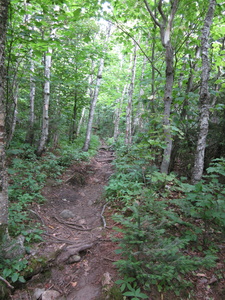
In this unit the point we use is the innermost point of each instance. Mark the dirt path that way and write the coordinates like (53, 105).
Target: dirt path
(76, 231)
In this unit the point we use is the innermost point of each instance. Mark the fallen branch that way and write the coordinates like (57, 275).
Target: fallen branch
(6, 282)
(102, 212)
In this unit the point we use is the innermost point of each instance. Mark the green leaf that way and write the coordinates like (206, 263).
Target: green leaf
(15, 277)
(77, 12)
(22, 279)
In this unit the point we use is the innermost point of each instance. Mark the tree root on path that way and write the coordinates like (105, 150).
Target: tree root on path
(72, 225)
(73, 250)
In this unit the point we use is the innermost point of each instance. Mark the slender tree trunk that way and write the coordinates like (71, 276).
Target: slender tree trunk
(128, 137)
(14, 116)
(3, 177)
(81, 120)
(92, 106)
(30, 133)
(167, 108)
(204, 97)
(74, 117)
(45, 116)
(119, 102)
(140, 108)
(95, 96)
(165, 32)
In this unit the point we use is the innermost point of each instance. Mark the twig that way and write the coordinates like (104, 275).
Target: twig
(74, 226)
(113, 260)
(102, 212)
(39, 217)
(6, 282)
(59, 240)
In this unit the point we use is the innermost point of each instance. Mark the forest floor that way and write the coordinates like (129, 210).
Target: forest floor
(77, 249)
(76, 258)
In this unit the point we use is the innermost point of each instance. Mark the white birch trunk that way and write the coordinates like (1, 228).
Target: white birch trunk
(45, 116)
(204, 97)
(3, 177)
(128, 137)
(30, 133)
(165, 33)
(95, 96)
(93, 105)
(81, 120)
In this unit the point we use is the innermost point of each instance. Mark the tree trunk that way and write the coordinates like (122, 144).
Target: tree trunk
(74, 117)
(119, 102)
(81, 120)
(30, 133)
(95, 96)
(140, 108)
(128, 137)
(14, 116)
(45, 116)
(165, 32)
(167, 108)
(204, 97)
(92, 106)
(3, 179)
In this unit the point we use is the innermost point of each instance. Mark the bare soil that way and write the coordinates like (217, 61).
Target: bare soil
(86, 233)
(86, 236)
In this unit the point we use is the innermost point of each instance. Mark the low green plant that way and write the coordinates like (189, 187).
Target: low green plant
(151, 253)
(204, 201)
(128, 287)
(11, 269)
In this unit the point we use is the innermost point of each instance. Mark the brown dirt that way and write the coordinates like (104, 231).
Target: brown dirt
(81, 193)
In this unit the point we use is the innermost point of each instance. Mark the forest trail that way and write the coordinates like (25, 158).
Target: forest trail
(77, 247)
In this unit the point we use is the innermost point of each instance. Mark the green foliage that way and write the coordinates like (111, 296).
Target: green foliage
(151, 253)
(205, 202)
(156, 234)
(11, 269)
(128, 287)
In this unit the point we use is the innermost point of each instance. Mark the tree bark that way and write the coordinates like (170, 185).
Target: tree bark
(45, 116)
(30, 133)
(95, 96)
(92, 106)
(204, 97)
(128, 137)
(165, 32)
(3, 177)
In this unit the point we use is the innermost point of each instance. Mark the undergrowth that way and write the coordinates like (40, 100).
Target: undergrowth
(169, 228)
(28, 174)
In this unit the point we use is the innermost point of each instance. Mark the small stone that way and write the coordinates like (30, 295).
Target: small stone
(82, 222)
(106, 281)
(74, 258)
(37, 293)
(50, 295)
(66, 214)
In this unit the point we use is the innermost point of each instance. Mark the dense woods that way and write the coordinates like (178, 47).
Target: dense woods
(147, 78)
